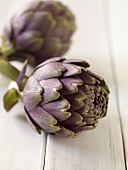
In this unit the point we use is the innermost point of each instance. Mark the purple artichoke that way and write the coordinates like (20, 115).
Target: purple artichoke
(40, 31)
(63, 98)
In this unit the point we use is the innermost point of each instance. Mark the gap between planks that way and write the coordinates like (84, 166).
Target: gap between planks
(44, 155)
(109, 32)
(54, 161)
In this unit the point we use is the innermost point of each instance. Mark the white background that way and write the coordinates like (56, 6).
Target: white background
(101, 39)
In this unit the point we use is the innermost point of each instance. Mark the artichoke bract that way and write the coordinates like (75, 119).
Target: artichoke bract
(41, 30)
(62, 97)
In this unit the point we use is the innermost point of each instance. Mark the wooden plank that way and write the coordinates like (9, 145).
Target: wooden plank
(8, 8)
(119, 32)
(100, 149)
(20, 147)
(4, 8)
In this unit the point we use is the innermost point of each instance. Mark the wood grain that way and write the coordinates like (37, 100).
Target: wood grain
(119, 38)
(101, 148)
(101, 39)
(20, 147)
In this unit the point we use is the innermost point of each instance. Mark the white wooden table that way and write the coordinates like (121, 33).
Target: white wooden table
(102, 40)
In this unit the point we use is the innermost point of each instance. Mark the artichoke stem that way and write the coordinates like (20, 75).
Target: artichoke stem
(5, 55)
(11, 72)
(6, 50)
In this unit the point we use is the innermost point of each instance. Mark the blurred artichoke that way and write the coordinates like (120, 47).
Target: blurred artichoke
(40, 31)
(63, 98)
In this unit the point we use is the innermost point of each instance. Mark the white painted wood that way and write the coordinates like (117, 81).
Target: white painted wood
(119, 35)
(20, 147)
(8, 8)
(100, 149)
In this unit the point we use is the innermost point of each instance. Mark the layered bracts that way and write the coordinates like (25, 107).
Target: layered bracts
(40, 31)
(63, 97)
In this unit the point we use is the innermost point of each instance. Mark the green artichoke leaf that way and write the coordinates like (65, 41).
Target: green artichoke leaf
(6, 48)
(7, 69)
(10, 99)
(14, 74)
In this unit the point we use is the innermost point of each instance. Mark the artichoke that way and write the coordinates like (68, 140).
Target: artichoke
(40, 31)
(62, 97)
